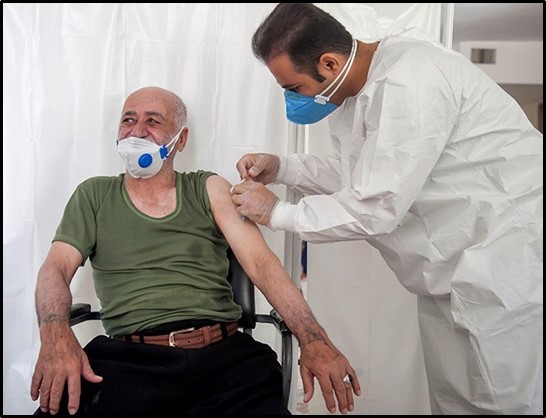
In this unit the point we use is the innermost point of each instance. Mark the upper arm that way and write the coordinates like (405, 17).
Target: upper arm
(62, 259)
(242, 235)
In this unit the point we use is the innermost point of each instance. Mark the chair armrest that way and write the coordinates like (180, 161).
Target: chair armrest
(286, 362)
(81, 312)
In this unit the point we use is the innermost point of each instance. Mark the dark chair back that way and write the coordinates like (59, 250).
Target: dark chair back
(243, 292)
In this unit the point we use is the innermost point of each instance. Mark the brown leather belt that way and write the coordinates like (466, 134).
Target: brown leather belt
(187, 338)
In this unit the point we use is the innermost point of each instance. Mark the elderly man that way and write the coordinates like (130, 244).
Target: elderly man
(157, 242)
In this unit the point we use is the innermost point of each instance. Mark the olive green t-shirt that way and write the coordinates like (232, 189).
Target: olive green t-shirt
(150, 271)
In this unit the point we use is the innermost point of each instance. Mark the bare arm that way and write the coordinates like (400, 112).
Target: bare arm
(61, 359)
(320, 358)
(53, 297)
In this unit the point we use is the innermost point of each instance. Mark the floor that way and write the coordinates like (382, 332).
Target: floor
(301, 408)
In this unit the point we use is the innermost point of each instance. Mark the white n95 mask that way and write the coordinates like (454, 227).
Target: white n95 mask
(142, 158)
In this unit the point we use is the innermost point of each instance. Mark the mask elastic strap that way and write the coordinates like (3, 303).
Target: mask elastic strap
(320, 98)
(164, 151)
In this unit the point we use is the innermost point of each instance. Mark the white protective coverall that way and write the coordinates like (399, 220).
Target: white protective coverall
(440, 170)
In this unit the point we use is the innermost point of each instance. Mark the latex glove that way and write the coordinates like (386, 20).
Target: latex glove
(255, 201)
(259, 167)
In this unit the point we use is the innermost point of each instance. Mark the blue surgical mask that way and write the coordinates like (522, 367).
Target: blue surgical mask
(142, 158)
(304, 110)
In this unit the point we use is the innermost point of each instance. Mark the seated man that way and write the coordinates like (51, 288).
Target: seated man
(157, 242)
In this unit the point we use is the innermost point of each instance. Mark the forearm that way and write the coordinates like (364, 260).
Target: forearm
(61, 363)
(286, 298)
(53, 299)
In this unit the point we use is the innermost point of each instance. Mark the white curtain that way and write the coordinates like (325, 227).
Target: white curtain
(67, 70)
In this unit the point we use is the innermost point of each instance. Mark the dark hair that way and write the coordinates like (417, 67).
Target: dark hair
(304, 32)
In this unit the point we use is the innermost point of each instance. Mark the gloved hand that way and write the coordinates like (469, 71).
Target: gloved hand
(259, 167)
(255, 201)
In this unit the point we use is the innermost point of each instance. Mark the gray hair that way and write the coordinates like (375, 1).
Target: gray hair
(180, 112)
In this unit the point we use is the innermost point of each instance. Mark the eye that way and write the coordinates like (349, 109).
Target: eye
(128, 121)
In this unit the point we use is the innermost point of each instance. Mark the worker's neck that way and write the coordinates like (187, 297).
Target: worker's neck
(359, 73)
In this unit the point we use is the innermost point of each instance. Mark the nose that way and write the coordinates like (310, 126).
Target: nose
(139, 130)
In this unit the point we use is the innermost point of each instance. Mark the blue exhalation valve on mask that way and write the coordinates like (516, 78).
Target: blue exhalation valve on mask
(145, 160)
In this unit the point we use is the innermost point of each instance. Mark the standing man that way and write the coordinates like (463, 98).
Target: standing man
(440, 170)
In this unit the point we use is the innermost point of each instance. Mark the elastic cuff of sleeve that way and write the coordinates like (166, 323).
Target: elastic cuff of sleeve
(282, 170)
(283, 217)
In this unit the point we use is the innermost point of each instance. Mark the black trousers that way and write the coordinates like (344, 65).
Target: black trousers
(236, 376)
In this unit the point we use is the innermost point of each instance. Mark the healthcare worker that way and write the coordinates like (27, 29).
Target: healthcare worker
(440, 170)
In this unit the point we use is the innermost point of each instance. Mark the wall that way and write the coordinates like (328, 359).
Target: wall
(532, 111)
(518, 69)
(516, 63)
(541, 117)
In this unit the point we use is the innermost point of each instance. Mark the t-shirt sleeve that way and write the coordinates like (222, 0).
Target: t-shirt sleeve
(200, 187)
(78, 226)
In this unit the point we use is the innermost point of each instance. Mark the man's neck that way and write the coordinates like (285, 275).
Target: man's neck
(155, 196)
(161, 182)
(359, 73)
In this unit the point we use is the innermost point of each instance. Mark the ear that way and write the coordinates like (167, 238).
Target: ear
(183, 139)
(330, 61)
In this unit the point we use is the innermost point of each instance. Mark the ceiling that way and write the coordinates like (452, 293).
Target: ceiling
(498, 22)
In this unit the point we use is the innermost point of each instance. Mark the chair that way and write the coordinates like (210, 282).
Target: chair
(243, 292)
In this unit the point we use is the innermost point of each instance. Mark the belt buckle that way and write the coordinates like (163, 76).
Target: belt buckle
(172, 343)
